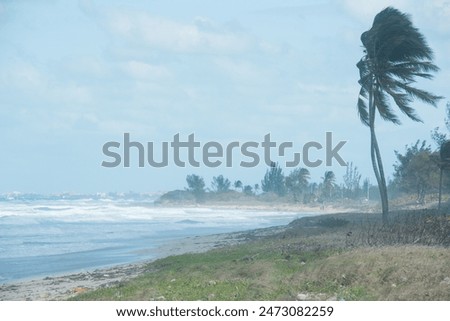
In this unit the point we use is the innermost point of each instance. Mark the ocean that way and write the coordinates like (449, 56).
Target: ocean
(41, 238)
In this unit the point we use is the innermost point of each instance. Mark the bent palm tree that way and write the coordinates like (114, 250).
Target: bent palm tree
(396, 53)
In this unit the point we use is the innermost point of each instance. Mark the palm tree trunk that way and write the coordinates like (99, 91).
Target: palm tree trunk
(377, 163)
(382, 186)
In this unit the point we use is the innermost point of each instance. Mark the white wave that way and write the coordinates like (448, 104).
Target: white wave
(36, 230)
(85, 211)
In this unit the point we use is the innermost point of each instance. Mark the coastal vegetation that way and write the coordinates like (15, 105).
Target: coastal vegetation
(415, 183)
(330, 257)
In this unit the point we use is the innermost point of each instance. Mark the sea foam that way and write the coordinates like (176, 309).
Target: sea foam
(42, 237)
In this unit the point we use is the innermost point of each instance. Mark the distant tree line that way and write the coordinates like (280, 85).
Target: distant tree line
(295, 187)
(416, 173)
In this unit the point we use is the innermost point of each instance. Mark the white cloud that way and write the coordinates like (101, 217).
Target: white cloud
(241, 70)
(30, 80)
(87, 66)
(325, 89)
(26, 76)
(200, 36)
(70, 93)
(144, 71)
(270, 48)
(366, 10)
(437, 11)
(433, 12)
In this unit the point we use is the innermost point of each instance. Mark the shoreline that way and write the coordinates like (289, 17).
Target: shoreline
(63, 287)
(331, 208)
(66, 285)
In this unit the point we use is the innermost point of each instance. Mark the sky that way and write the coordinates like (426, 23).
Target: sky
(75, 75)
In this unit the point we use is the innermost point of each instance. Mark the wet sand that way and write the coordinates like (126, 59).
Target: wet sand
(63, 287)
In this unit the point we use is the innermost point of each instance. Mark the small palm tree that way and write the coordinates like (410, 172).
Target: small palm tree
(396, 53)
(297, 182)
(237, 185)
(329, 182)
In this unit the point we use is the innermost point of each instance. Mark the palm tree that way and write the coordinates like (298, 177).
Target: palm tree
(396, 53)
(329, 182)
(220, 184)
(297, 182)
(237, 184)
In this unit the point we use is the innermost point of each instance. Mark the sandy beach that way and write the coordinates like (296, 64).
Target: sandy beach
(62, 287)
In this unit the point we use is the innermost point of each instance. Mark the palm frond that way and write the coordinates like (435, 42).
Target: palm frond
(403, 102)
(420, 94)
(394, 38)
(396, 54)
(417, 65)
(364, 68)
(363, 92)
(408, 71)
(363, 111)
(381, 102)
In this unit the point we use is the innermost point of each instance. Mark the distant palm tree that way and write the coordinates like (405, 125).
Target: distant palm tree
(329, 182)
(395, 54)
(297, 182)
(237, 184)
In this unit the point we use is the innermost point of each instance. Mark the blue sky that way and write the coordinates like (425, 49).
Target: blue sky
(77, 74)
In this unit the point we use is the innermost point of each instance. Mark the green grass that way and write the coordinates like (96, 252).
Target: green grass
(260, 272)
(253, 271)
(290, 266)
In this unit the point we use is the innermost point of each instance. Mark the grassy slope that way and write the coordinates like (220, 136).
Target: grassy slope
(306, 259)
